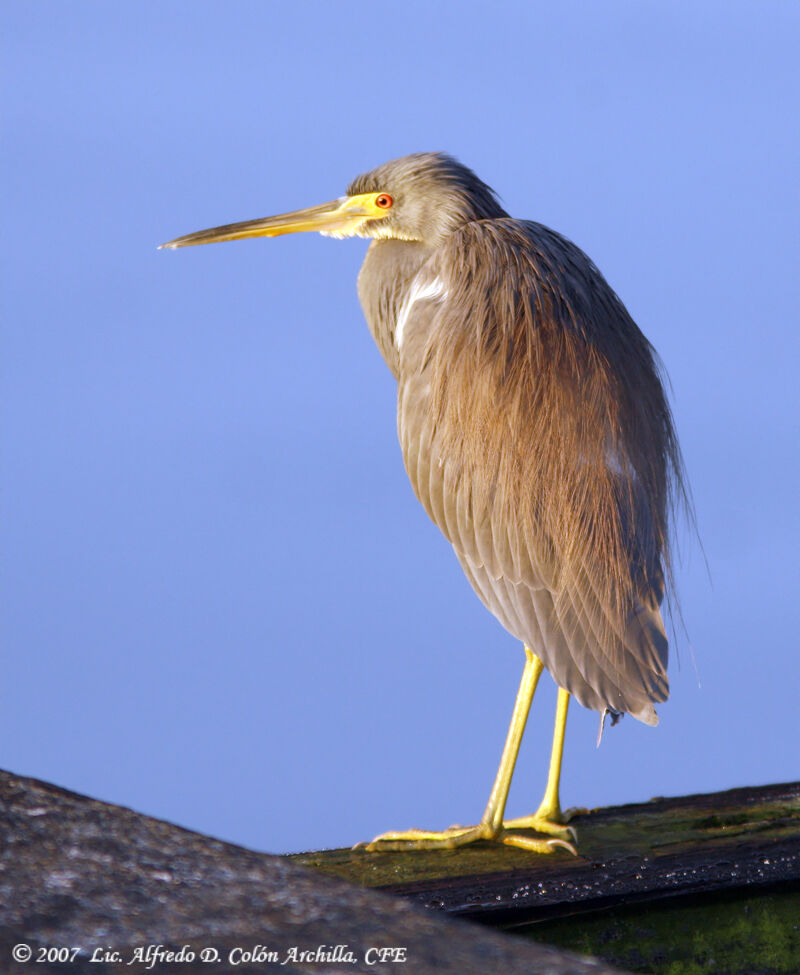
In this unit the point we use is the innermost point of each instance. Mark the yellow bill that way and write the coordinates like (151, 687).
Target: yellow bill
(339, 218)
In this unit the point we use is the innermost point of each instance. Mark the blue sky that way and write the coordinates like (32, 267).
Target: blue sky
(221, 603)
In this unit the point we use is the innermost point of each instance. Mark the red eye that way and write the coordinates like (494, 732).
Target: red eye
(384, 201)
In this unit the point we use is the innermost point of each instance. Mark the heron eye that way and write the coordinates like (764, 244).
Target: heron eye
(384, 201)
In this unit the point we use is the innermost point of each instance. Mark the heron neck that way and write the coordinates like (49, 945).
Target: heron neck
(383, 283)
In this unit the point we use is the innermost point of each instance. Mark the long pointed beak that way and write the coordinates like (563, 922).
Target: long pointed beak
(342, 216)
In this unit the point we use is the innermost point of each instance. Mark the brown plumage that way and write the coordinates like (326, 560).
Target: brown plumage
(535, 432)
(537, 435)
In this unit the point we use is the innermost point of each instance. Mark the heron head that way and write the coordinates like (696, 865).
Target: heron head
(422, 197)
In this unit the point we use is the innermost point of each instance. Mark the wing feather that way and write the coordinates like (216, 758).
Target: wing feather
(524, 446)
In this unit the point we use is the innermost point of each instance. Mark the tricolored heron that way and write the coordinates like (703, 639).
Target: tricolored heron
(536, 433)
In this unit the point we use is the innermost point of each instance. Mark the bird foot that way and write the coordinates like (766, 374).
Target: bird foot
(458, 836)
(536, 845)
(541, 824)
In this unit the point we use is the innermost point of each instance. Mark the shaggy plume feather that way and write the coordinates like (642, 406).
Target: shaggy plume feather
(534, 427)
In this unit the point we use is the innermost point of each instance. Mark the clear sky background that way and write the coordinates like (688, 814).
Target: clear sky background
(221, 603)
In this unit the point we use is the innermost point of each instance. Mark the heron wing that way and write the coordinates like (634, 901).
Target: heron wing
(550, 516)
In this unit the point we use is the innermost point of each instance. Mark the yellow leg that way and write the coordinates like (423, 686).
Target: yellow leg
(549, 818)
(492, 826)
(550, 807)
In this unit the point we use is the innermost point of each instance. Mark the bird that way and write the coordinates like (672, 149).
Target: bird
(537, 434)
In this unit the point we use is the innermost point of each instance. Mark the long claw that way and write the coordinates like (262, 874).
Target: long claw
(564, 845)
(534, 845)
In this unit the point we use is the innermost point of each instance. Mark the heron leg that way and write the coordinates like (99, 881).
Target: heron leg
(491, 826)
(549, 817)
(496, 806)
